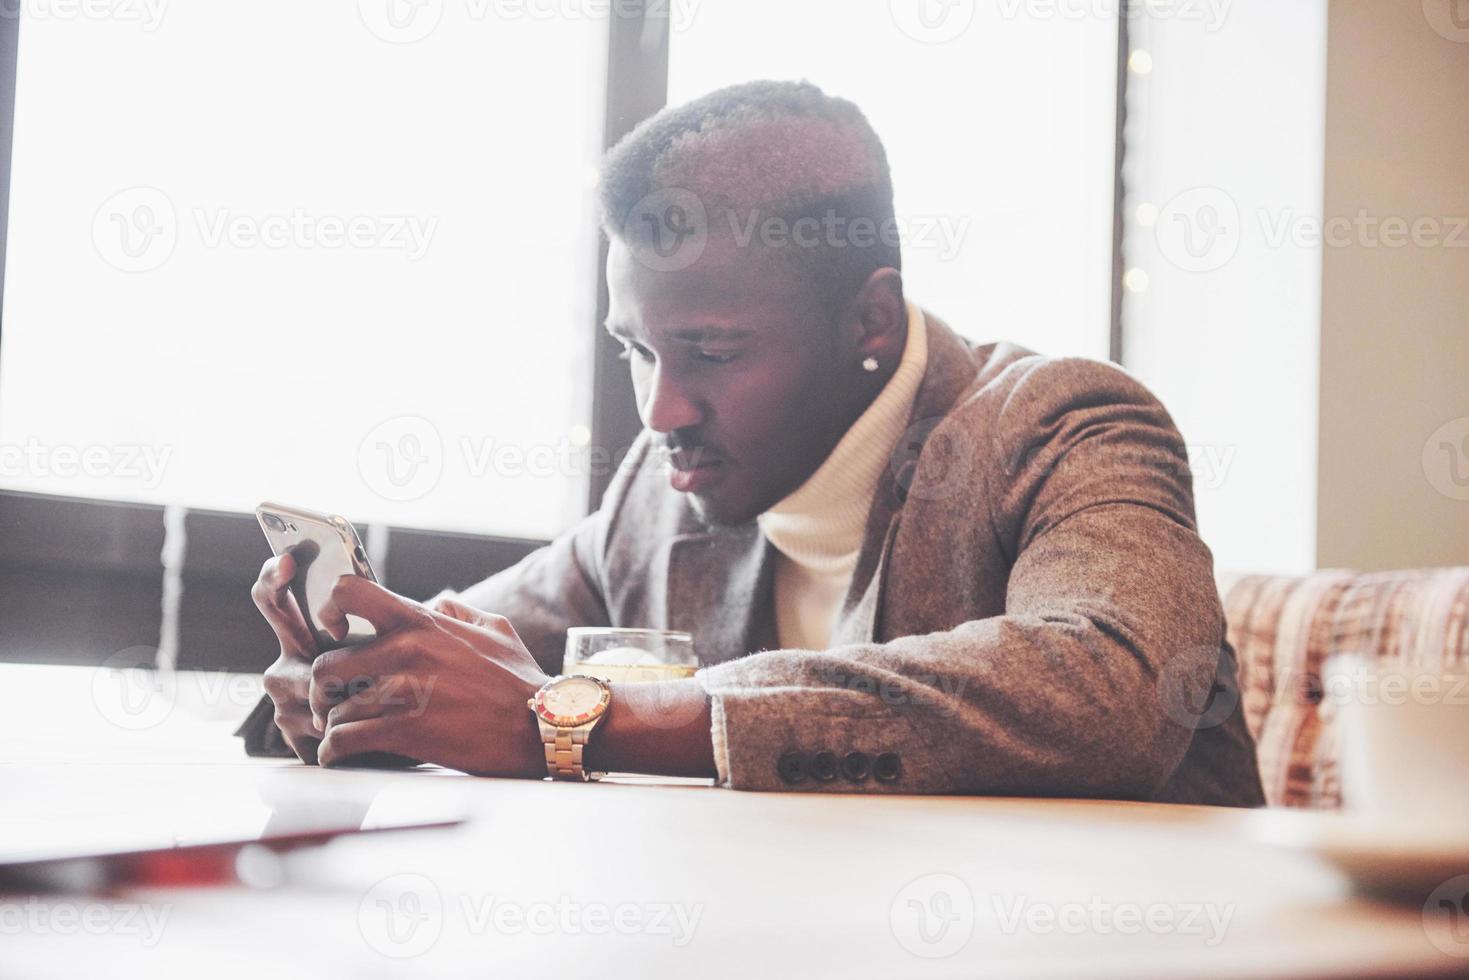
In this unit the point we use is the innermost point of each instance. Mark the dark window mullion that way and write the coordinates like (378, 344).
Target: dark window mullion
(1119, 188)
(637, 87)
(9, 43)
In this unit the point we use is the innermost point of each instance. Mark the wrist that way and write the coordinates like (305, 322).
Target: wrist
(658, 728)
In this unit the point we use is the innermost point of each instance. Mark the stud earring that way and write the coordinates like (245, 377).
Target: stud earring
(870, 365)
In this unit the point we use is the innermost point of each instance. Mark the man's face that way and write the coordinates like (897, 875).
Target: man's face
(736, 366)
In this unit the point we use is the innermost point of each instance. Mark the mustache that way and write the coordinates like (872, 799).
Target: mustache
(686, 453)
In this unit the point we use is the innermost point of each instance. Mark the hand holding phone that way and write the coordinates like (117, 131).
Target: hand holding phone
(312, 551)
(323, 548)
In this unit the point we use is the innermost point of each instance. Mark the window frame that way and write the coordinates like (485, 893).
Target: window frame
(82, 579)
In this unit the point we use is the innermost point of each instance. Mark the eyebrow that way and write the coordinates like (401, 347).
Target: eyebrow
(689, 334)
(697, 334)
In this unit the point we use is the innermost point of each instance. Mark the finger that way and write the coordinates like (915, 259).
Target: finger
(342, 742)
(468, 623)
(278, 572)
(390, 695)
(272, 596)
(288, 681)
(436, 603)
(339, 674)
(297, 740)
(356, 596)
(455, 609)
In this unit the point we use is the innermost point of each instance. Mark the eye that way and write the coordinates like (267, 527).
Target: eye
(716, 357)
(631, 350)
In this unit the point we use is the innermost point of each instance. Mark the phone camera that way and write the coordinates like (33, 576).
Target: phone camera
(273, 522)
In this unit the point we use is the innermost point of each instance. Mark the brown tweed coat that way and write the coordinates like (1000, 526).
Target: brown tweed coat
(1033, 611)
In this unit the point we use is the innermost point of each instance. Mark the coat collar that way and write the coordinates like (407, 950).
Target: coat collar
(951, 369)
(721, 582)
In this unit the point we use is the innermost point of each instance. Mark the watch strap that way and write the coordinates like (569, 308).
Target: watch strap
(564, 747)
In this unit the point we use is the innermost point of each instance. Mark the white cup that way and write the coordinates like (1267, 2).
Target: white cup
(1404, 742)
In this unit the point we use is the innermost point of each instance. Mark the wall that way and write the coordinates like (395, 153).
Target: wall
(1393, 487)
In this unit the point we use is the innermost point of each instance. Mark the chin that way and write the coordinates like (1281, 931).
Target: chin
(717, 512)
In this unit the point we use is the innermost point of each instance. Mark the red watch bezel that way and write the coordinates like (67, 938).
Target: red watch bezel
(538, 703)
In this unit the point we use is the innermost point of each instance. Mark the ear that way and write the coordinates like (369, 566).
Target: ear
(875, 322)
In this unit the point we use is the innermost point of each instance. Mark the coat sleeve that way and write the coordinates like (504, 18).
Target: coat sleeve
(553, 588)
(563, 584)
(1111, 630)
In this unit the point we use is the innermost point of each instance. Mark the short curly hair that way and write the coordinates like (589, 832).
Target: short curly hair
(759, 151)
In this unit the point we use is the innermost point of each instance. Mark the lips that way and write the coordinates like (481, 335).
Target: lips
(694, 470)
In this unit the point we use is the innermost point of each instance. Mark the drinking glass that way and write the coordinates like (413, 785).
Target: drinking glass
(620, 655)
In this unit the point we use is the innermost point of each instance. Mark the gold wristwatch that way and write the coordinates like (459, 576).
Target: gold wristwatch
(567, 709)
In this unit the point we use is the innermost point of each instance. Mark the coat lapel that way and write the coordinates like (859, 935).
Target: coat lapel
(858, 622)
(949, 371)
(720, 590)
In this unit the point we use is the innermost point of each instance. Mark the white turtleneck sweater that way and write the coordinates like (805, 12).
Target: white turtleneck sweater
(817, 531)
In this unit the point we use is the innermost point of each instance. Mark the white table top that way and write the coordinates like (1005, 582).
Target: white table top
(648, 877)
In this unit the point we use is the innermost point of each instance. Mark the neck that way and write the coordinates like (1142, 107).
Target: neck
(822, 521)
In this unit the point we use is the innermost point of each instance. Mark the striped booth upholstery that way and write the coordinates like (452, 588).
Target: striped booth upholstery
(1285, 628)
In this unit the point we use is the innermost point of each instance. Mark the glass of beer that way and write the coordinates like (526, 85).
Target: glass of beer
(619, 655)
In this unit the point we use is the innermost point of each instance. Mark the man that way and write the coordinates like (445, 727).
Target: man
(912, 564)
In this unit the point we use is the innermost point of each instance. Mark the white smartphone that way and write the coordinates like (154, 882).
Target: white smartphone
(325, 547)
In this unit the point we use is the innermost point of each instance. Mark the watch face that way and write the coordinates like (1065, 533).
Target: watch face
(571, 701)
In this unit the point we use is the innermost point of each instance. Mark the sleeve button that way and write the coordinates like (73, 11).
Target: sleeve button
(887, 767)
(824, 766)
(792, 767)
(856, 766)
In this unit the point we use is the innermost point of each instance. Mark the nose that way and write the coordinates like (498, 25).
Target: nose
(667, 406)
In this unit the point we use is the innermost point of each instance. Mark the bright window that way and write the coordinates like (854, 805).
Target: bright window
(1223, 320)
(337, 254)
(998, 121)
